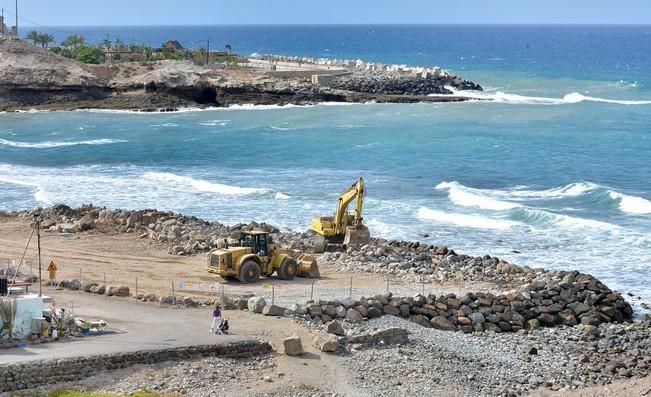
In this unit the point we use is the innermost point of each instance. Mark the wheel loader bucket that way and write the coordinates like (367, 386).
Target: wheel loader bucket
(357, 235)
(307, 266)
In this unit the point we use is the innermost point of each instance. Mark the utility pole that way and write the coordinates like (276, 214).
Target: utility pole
(208, 53)
(38, 244)
(2, 25)
(17, 19)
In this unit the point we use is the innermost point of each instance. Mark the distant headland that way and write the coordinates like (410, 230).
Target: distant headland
(80, 76)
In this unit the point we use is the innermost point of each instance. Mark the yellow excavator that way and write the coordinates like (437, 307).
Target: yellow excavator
(344, 228)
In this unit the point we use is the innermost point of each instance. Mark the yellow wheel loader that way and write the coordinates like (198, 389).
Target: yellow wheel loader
(344, 228)
(256, 256)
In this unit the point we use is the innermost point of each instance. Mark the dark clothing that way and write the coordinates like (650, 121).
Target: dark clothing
(217, 313)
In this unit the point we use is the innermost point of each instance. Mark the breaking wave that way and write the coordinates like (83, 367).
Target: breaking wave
(52, 144)
(199, 184)
(509, 199)
(571, 98)
(631, 204)
(517, 193)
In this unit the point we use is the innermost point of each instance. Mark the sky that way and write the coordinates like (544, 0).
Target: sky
(235, 12)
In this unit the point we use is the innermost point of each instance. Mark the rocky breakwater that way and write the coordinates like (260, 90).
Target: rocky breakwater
(560, 298)
(400, 83)
(183, 235)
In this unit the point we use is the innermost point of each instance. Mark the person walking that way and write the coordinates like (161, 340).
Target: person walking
(216, 318)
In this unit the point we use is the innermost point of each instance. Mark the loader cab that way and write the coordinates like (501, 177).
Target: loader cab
(258, 241)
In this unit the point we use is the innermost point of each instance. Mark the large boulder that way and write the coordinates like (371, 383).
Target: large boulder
(335, 327)
(293, 345)
(121, 291)
(353, 316)
(392, 310)
(149, 297)
(87, 222)
(87, 286)
(68, 228)
(579, 308)
(442, 323)
(273, 310)
(167, 300)
(327, 344)
(256, 304)
(420, 320)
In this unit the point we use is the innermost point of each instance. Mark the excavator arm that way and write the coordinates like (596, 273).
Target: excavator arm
(354, 192)
(340, 229)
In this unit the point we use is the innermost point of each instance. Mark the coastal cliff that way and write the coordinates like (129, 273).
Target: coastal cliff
(33, 78)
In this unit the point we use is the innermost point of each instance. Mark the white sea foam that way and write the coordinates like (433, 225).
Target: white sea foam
(465, 197)
(52, 144)
(281, 196)
(465, 220)
(541, 218)
(631, 204)
(571, 98)
(199, 184)
(522, 192)
(214, 123)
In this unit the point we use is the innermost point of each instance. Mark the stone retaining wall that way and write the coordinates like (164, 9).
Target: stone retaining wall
(29, 375)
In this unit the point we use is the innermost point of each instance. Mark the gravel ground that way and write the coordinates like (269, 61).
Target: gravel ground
(454, 363)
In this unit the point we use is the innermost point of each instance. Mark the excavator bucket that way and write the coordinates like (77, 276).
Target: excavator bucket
(307, 266)
(357, 235)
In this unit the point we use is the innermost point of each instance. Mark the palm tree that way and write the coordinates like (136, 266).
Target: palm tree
(118, 44)
(229, 49)
(34, 36)
(106, 43)
(74, 40)
(45, 39)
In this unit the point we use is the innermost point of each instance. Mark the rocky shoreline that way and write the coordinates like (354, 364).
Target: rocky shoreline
(32, 78)
(544, 329)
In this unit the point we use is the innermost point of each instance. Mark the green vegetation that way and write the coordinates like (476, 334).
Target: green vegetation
(76, 47)
(88, 54)
(73, 41)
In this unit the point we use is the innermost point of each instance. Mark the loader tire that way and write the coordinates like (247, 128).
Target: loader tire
(288, 269)
(249, 272)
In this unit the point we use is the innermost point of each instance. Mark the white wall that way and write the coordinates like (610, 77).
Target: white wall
(27, 307)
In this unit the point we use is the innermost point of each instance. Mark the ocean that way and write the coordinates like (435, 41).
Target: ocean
(553, 172)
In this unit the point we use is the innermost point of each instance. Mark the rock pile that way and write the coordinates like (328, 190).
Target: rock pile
(415, 261)
(184, 235)
(573, 299)
(401, 83)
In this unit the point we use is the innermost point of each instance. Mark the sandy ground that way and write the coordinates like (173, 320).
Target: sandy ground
(126, 260)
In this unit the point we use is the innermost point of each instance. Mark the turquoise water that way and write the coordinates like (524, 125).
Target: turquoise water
(553, 172)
